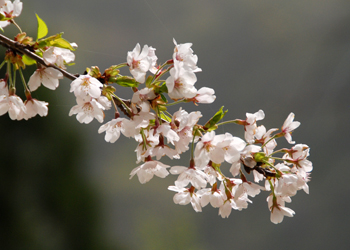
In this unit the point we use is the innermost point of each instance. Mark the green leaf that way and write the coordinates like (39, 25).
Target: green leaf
(165, 117)
(27, 60)
(55, 41)
(163, 98)
(211, 124)
(62, 43)
(149, 81)
(42, 28)
(125, 81)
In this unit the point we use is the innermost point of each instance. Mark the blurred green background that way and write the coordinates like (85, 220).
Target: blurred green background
(64, 187)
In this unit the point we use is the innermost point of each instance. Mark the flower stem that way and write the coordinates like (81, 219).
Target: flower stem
(13, 21)
(174, 103)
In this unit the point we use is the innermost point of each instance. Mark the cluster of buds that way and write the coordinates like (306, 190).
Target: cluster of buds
(159, 133)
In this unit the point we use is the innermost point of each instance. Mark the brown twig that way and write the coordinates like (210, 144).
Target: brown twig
(21, 49)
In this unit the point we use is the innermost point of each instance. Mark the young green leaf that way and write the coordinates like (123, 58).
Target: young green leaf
(27, 60)
(124, 81)
(211, 124)
(42, 28)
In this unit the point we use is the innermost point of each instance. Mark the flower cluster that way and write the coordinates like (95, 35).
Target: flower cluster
(158, 133)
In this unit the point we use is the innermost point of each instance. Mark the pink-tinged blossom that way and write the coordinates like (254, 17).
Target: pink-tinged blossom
(104, 102)
(142, 97)
(10, 10)
(249, 188)
(264, 138)
(58, 56)
(230, 145)
(184, 53)
(153, 58)
(204, 95)
(216, 197)
(47, 76)
(217, 148)
(113, 129)
(35, 107)
(138, 121)
(203, 147)
(181, 82)
(288, 126)
(196, 177)
(4, 90)
(277, 207)
(185, 196)
(286, 184)
(161, 150)
(212, 175)
(86, 86)
(14, 105)
(233, 203)
(182, 123)
(297, 156)
(139, 62)
(167, 132)
(250, 126)
(88, 110)
(146, 171)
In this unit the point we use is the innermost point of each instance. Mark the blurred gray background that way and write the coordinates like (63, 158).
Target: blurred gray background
(63, 187)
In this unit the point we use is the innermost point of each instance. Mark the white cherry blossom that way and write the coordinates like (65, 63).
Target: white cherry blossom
(139, 62)
(180, 82)
(58, 56)
(250, 126)
(88, 110)
(146, 171)
(141, 98)
(204, 95)
(288, 126)
(47, 76)
(184, 53)
(196, 177)
(35, 107)
(277, 207)
(185, 196)
(215, 197)
(113, 129)
(4, 90)
(86, 86)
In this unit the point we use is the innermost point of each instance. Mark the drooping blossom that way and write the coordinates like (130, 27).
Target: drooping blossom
(113, 129)
(87, 110)
(146, 171)
(47, 76)
(35, 107)
(185, 196)
(14, 105)
(277, 207)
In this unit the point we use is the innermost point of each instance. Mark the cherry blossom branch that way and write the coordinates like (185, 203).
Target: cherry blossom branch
(159, 133)
(24, 50)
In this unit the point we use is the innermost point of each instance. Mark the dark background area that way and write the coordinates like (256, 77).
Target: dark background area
(63, 187)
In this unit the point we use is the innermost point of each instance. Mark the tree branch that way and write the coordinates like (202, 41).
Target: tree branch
(21, 49)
